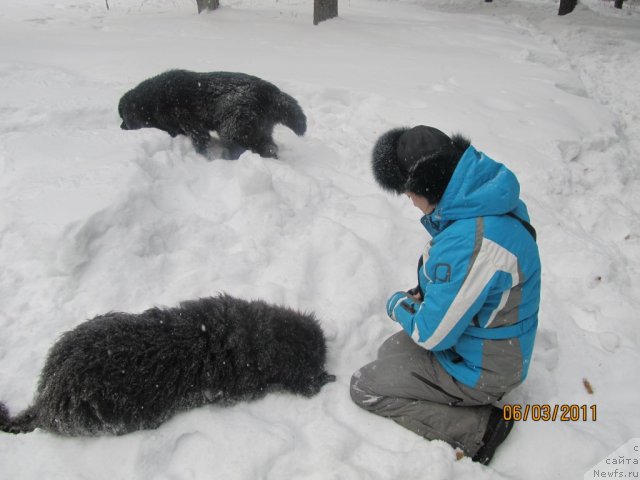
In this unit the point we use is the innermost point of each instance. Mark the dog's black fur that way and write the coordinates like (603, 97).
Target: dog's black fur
(241, 108)
(122, 372)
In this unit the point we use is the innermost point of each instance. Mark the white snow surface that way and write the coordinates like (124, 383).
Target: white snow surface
(94, 219)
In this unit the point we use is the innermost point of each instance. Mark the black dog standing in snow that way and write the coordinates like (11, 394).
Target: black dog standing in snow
(122, 372)
(241, 108)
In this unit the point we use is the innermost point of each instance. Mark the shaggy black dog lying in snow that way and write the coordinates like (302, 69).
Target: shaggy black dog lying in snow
(122, 372)
(243, 110)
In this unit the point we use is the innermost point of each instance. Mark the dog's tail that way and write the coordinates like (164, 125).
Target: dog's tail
(290, 114)
(23, 423)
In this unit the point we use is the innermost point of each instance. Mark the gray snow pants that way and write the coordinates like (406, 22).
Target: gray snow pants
(407, 384)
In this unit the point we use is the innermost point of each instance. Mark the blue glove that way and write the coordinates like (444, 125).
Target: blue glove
(393, 302)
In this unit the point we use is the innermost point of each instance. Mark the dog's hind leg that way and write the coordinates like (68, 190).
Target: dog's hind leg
(250, 133)
(232, 151)
(261, 141)
(267, 150)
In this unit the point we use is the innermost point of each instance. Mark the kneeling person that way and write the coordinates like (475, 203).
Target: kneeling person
(469, 325)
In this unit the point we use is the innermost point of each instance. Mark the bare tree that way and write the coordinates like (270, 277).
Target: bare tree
(324, 10)
(207, 5)
(567, 6)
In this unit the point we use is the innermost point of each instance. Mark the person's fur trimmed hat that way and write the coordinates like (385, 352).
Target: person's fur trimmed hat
(386, 170)
(420, 160)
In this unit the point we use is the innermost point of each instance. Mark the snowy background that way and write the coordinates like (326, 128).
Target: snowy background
(93, 218)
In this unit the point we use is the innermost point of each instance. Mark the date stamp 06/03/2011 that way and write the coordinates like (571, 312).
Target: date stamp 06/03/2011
(550, 413)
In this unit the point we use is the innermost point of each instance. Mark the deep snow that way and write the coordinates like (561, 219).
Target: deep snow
(94, 219)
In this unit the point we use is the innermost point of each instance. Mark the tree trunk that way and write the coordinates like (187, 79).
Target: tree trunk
(567, 6)
(324, 10)
(207, 5)
(618, 4)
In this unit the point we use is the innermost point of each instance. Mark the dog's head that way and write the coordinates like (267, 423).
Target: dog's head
(133, 113)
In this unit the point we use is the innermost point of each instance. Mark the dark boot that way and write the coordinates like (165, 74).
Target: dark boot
(497, 430)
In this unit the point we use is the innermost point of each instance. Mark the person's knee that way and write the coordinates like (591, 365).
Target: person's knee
(354, 389)
(361, 390)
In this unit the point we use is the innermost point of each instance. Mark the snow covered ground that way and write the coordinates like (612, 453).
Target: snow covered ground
(93, 218)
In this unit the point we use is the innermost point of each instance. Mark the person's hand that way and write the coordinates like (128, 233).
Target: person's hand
(393, 301)
(415, 293)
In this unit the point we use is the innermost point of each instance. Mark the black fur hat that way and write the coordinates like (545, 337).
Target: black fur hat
(420, 160)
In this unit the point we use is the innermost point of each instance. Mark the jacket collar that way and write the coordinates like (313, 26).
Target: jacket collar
(433, 222)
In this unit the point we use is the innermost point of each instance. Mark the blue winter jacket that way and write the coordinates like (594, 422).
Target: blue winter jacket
(480, 276)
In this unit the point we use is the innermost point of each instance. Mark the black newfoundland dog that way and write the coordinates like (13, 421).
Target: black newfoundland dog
(122, 372)
(241, 108)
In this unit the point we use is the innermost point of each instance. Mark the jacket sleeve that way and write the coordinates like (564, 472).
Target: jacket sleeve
(458, 279)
